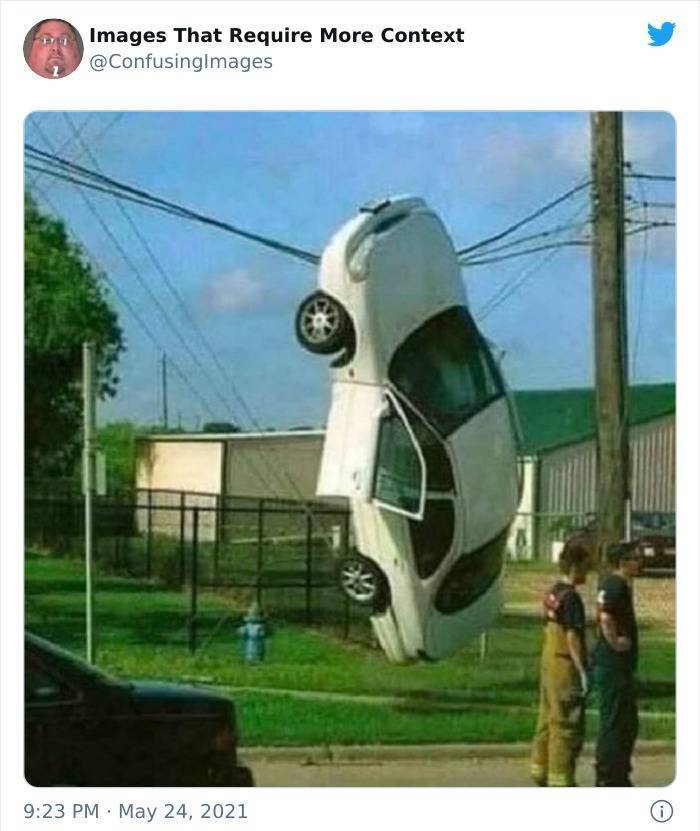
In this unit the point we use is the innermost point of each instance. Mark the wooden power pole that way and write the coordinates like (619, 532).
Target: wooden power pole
(610, 329)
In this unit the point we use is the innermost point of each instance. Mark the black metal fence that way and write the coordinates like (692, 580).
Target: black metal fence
(283, 555)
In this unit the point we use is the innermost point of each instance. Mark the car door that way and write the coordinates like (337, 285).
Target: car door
(54, 720)
(414, 478)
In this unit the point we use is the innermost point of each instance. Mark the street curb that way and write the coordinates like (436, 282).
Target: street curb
(357, 754)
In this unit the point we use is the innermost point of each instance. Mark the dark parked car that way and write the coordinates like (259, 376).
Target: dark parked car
(655, 533)
(85, 727)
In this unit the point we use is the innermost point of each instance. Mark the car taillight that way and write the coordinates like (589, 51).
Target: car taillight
(224, 739)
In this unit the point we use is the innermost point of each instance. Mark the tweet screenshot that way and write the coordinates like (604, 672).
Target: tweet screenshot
(350, 403)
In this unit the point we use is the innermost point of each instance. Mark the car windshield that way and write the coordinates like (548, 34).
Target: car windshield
(471, 576)
(446, 370)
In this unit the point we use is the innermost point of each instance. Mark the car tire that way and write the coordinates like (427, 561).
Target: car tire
(322, 325)
(363, 582)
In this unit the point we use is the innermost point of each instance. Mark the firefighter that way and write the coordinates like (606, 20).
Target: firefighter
(563, 675)
(614, 666)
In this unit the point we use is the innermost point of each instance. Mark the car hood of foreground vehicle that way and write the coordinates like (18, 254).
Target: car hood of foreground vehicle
(159, 696)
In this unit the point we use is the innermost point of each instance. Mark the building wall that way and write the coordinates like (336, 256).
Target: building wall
(177, 474)
(558, 487)
(279, 467)
(193, 466)
(653, 453)
(567, 480)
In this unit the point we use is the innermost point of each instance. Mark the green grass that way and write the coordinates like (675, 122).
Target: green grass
(142, 634)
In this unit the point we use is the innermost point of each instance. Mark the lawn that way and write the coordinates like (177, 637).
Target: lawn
(358, 696)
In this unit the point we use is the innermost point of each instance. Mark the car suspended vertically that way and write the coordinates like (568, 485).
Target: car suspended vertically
(421, 436)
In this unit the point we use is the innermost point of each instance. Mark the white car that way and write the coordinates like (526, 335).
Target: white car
(421, 436)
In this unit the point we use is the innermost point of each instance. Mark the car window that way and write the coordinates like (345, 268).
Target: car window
(432, 537)
(471, 576)
(446, 370)
(41, 687)
(398, 473)
(438, 467)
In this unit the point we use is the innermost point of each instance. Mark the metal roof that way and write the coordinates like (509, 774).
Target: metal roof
(549, 418)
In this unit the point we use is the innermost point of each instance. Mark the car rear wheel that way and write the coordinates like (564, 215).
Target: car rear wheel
(362, 581)
(322, 324)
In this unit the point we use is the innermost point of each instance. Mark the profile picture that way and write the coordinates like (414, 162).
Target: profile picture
(53, 48)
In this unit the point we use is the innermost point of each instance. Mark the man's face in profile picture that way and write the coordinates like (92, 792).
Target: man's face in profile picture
(55, 51)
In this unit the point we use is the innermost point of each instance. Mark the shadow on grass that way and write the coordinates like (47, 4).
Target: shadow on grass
(515, 694)
(656, 689)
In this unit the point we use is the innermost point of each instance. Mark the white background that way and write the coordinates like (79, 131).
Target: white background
(518, 56)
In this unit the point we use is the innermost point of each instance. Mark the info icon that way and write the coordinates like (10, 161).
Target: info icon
(661, 810)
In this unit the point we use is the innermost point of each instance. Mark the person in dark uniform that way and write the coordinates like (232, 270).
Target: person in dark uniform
(614, 667)
(563, 679)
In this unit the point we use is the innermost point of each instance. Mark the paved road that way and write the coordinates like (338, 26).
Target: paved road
(653, 770)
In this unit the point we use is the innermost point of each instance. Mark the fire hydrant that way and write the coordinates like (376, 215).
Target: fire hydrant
(253, 632)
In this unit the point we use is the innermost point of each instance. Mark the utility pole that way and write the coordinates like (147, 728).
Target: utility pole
(89, 452)
(613, 504)
(164, 388)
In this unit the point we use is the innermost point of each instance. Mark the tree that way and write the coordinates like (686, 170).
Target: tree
(220, 427)
(118, 441)
(66, 304)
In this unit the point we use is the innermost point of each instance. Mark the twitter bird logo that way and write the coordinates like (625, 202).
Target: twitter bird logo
(661, 36)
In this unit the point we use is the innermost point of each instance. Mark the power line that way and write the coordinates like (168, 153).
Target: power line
(558, 229)
(179, 209)
(185, 311)
(65, 143)
(144, 283)
(535, 250)
(93, 140)
(509, 230)
(127, 303)
(642, 287)
(102, 273)
(646, 227)
(644, 204)
(280, 472)
(509, 288)
(652, 177)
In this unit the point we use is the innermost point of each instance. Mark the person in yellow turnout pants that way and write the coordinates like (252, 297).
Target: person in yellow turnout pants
(563, 677)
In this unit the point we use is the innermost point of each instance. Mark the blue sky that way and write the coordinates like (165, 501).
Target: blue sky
(296, 177)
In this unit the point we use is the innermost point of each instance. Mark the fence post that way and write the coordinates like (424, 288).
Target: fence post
(259, 564)
(149, 533)
(307, 582)
(192, 625)
(182, 539)
(217, 534)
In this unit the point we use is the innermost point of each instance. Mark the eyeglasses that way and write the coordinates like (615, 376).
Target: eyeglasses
(62, 40)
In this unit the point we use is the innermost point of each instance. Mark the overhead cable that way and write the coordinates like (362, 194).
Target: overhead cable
(181, 210)
(539, 212)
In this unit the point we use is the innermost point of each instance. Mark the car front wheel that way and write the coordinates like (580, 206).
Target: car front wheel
(362, 581)
(322, 324)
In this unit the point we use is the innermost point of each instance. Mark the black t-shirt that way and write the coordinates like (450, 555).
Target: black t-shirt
(563, 604)
(615, 598)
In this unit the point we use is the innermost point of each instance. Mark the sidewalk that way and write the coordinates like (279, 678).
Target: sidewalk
(432, 766)
(364, 754)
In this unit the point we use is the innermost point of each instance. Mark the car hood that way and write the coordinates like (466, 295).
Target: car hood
(159, 696)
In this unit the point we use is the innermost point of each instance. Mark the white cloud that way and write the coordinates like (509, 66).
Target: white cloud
(233, 292)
